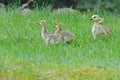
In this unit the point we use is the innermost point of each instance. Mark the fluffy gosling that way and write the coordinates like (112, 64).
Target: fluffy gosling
(101, 20)
(49, 38)
(66, 36)
(99, 29)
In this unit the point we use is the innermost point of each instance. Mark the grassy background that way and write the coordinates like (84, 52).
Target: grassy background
(24, 55)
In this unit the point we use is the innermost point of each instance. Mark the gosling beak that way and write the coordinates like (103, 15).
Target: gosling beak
(91, 19)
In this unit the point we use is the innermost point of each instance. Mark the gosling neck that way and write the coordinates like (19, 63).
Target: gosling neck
(44, 29)
(58, 29)
(96, 23)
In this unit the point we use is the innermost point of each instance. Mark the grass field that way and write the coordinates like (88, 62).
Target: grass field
(24, 55)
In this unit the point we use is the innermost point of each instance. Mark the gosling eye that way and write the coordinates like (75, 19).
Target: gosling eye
(94, 17)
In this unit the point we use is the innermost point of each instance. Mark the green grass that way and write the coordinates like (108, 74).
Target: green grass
(24, 55)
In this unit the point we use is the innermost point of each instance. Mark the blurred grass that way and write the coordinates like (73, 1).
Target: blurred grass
(24, 55)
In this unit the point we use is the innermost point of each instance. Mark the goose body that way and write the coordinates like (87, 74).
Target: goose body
(65, 35)
(49, 38)
(99, 29)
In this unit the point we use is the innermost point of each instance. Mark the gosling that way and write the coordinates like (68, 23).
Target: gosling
(49, 38)
(66, 36)
(101, 21)
(99, 29)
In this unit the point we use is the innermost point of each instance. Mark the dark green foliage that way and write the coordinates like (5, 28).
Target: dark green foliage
(116, 5)
(10, 1)
(111, 5)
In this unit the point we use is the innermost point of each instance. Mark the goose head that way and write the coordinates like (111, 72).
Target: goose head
(42, 23)
(58, 25)
(95, 18)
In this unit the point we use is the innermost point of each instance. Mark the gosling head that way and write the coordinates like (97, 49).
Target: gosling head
(95, 18)
(101, 20)
(42, 22)
(58, 25)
